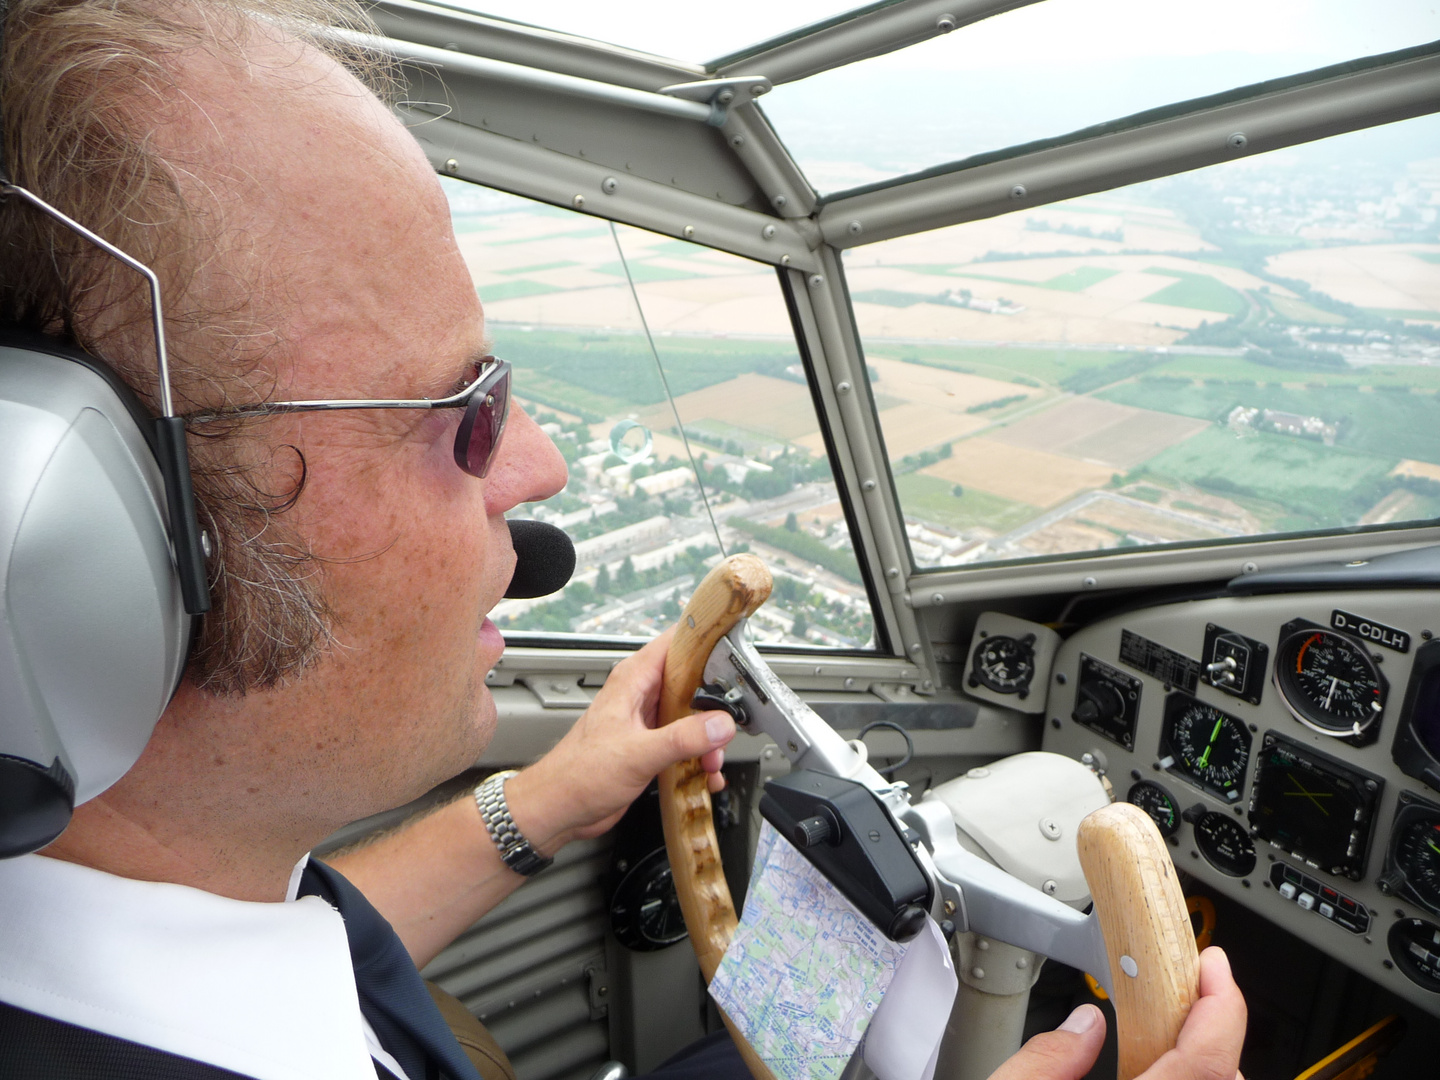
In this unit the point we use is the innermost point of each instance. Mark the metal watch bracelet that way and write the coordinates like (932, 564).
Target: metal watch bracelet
(515, 850)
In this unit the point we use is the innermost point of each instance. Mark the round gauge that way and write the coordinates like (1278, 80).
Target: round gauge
(1004, 664)
(1206, 746)
(1329, 682)
(645, 910)
(1225, 844)
(1415, 948)
(1415, 852)
(1158, 803)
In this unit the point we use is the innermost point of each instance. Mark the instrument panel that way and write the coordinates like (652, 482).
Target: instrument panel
(1288, 748)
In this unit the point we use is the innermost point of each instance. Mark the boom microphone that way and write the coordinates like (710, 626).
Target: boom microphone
(544, 559)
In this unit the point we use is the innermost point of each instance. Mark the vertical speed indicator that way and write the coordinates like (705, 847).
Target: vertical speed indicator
(1205, 746)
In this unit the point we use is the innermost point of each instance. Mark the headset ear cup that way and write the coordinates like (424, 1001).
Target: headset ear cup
(95, 635)
(35, 805)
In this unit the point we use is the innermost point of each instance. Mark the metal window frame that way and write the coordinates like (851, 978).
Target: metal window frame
(804, 237)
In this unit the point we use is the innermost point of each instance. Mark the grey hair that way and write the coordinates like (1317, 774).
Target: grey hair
(78, 80)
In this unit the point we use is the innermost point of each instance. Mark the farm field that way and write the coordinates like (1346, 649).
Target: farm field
(1095, 430)
(934, 499)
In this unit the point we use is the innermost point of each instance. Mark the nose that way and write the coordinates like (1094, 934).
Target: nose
(527, 468)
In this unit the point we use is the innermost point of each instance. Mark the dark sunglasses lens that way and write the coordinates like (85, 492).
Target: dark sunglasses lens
(484, 421)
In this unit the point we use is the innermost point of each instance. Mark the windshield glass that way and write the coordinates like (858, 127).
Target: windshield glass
(669, 377)
(1055, 67)
(1248, 349)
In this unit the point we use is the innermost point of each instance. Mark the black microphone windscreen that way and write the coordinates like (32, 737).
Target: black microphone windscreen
(544, 559)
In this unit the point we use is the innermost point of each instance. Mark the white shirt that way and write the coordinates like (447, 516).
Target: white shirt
(265, 990)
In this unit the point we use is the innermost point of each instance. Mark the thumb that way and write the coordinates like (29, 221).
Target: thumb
(689, 737)
(1067, 1053)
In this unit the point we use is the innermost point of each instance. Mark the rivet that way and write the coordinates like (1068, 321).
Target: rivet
(451, 165)
(609, 185)
(578, 201)
(1238, 141)
(725, 97)
(768, 232)
(842, 387)
(916, 648)
(849, 683)
(1089, 583)
(945, 23)
(689, 231)
(868, 485)
(1249, 568)
(815, 281)
(1022, 963)
(977, 972)
(926, 684)
(1018, 191)
(855, 228)
(937, 598)
(784, 260)
(779, 202)
(982, 945)
(757, 89)
(737, 141)
(894, 572)
(819, 671)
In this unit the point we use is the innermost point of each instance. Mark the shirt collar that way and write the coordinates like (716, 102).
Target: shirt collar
(265, 990)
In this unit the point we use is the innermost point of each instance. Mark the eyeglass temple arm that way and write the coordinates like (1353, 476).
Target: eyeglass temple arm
(170, 449)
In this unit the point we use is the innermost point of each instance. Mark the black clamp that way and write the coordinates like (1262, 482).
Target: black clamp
(841, 827)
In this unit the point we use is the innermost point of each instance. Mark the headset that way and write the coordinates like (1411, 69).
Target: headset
(103, 576)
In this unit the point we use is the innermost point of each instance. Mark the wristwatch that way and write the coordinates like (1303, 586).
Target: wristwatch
(515, 850)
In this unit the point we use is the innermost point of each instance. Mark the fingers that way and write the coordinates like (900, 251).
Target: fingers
(1214, 1032)
(1067, 1053)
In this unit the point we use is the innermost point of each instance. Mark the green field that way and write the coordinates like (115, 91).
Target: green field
(1307, 484)
(1387, 423)
(932, 499)
(1300, 312)
(618, 366)
(1198, 291)
(1239, 369)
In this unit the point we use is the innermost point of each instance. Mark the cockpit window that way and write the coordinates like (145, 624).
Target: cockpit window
(668, 375)
(1044, 70)
(1249, 349)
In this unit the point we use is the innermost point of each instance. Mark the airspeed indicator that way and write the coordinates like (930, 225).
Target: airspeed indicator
(1206, 746)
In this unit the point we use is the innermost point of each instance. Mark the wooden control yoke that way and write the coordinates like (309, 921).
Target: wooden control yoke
(1153, 974)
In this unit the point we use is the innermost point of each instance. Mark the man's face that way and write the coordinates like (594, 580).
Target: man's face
(346, 224)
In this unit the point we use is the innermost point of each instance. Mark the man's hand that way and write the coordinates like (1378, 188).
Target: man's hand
(582, 786)
(1208, 1047)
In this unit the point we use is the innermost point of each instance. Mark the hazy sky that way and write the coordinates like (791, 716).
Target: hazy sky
(1107, 29)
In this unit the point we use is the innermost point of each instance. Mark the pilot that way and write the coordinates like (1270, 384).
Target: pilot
(306, 252)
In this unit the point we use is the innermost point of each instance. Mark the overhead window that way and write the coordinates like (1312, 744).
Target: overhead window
(668, 375)
(1250, 349)
(1047, 69)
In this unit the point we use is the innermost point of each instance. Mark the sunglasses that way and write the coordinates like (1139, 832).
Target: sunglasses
(486, 402)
